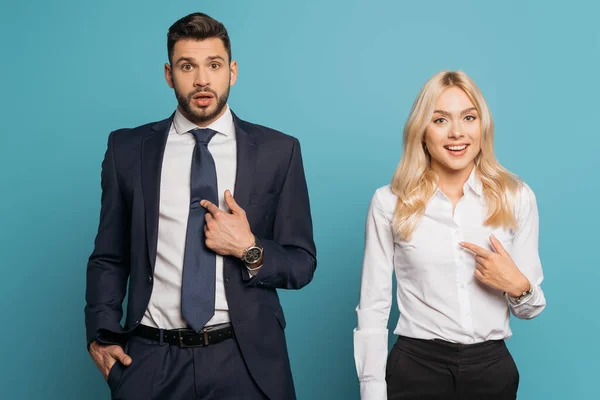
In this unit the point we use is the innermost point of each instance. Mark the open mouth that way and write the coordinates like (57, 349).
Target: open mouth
(203, 95)
(203, 99)
(457, 149)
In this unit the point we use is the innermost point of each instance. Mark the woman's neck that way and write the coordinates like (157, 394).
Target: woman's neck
(451, 182)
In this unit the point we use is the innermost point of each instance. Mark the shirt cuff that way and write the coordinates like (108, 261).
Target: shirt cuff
(370, 355)
(373, 390)
(523, 300)
(253, 271)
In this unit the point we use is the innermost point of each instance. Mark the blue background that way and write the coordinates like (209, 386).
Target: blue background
(339, 75)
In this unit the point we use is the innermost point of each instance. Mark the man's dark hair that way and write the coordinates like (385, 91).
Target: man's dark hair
(197, 26)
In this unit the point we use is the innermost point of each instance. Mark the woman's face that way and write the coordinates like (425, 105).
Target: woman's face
(453, 136)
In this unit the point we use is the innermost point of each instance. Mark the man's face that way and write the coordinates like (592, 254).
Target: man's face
(201, 75)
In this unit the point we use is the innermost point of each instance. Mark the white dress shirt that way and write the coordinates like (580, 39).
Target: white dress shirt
(164, 308)
(438, 295)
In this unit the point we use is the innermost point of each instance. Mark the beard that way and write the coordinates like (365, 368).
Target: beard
(202, 115)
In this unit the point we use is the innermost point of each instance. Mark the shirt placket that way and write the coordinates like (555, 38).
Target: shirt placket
(462, 273)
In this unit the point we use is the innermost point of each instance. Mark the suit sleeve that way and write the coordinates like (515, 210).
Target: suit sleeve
(290, 258)
(108, 265)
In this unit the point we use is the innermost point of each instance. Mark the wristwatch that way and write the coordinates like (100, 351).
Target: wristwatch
(524, 294)
(253, 253)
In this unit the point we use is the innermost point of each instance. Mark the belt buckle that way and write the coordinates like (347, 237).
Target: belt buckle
(204, 332)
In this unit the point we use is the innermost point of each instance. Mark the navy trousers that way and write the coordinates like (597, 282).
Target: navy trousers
(161, 371)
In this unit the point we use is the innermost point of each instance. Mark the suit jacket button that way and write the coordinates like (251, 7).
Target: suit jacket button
(149, 278)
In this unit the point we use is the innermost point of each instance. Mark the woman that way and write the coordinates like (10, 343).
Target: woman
(460, 233)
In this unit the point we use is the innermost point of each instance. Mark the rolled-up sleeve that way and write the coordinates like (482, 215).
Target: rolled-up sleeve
(525, 254)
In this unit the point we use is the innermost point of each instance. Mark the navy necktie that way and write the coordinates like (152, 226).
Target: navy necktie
(199, 262)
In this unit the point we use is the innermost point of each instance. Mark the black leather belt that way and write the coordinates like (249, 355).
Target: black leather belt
(187, 337)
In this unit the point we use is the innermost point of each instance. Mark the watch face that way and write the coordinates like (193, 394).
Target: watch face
(253, 255)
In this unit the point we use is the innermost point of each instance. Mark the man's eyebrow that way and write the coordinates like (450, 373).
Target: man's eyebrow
(212, 58)
(188, 59)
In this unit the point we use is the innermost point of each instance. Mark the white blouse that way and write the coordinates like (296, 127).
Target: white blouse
(438, 295)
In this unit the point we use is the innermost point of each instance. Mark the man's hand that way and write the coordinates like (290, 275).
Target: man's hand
(497, 269)
(105, 356)
(227, 234)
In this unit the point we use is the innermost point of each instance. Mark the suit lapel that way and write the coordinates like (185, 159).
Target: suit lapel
(247, 149)
(153, 150)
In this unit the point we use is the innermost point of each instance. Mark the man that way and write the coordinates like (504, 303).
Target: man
(206, 215)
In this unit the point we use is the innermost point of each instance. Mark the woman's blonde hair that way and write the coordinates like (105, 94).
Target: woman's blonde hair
(414, 182)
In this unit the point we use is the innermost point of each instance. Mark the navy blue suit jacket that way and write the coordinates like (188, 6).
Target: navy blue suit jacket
(270, 186)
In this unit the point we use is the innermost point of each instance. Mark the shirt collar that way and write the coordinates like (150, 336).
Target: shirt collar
(223, 125)
(474, 183)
